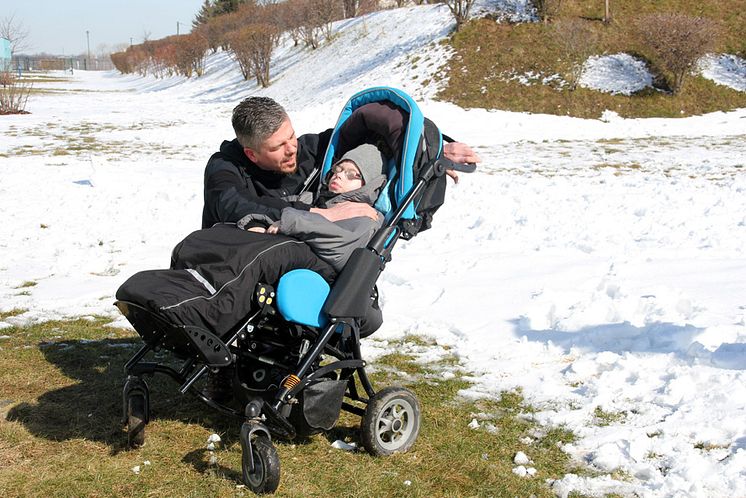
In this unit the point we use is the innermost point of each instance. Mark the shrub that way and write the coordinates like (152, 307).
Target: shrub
(252, 47)
(14, 94)
(675, 42)
(121, 62)
(547, 9)
(238, 46)
(577, 41)
(189, 56)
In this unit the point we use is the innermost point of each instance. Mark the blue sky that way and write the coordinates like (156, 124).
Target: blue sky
(59, 26)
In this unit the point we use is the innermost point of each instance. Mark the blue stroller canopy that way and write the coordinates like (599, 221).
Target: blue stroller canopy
(388, 201)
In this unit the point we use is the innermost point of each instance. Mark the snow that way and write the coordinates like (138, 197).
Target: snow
(597, 265)
(513, 11)
(344, 446)
(623, 74)
(725, 69)
(617, 74)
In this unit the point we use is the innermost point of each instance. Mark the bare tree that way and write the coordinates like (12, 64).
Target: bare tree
(675, 42)
(367, 6)
(577, 41)
(240, 49)
(16, 32)
(350, 8)
(460, 10)
(286, 17)
(324, 13)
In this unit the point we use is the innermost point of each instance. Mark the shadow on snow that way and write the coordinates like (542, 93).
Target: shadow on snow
(658, 337)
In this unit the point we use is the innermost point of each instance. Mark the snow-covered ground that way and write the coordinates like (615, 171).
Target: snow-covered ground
(598, 265)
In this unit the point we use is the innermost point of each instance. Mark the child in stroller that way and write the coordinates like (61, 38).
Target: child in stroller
(358, 176)
(294, 351)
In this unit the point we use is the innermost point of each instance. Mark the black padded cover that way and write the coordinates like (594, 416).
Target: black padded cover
(213, 276)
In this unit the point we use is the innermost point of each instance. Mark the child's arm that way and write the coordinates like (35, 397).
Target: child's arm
(332, 242)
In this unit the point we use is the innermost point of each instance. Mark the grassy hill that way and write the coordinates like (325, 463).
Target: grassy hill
(489, 54)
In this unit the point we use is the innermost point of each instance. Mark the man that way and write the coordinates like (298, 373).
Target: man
(266, 162)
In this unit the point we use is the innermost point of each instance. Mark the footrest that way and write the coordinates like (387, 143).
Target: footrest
(212, 351)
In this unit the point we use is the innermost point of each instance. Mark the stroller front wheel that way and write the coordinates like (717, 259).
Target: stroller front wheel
(136, 418)
(266, 474)
(391, 422)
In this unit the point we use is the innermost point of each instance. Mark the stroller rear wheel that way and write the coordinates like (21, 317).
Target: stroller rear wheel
(391, 422)
(136, 417)
(266, 474)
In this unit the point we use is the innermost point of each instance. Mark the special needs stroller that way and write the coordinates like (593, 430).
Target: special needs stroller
(289, 341)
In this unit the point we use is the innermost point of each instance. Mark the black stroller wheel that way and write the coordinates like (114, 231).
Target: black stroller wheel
(391, 422)
(266, 475)
(136, 417)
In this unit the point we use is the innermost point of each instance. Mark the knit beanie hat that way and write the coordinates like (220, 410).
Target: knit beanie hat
(368, 160)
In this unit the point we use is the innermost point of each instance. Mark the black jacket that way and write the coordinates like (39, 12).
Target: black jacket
(235, 186)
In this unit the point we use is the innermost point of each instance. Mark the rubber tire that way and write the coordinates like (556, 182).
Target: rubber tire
(135, 421)
(377, 439)
(266, 478)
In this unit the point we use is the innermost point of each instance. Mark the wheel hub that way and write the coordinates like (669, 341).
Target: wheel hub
(395, 424)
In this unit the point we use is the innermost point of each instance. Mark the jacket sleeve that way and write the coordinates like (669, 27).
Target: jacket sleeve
(332, 242)
(228, 197)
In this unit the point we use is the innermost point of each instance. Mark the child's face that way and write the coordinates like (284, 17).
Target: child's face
(345, 178)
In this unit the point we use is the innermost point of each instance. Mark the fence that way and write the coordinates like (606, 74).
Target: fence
(46, 63)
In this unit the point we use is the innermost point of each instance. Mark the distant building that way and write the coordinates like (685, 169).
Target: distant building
(5, 54)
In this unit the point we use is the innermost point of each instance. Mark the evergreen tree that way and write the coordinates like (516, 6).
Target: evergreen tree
(204, 14)
(221, 7)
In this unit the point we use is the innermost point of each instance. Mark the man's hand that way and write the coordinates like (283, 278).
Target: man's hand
(346, 210)
(459, 153)
(257, 229)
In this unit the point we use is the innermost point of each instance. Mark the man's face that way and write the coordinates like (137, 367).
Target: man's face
(278, 152)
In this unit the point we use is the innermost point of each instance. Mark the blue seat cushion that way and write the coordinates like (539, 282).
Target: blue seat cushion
(301, 295)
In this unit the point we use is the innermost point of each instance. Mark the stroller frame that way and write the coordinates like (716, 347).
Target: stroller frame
(390, 417)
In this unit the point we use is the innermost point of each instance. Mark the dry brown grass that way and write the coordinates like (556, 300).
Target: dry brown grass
(491, 60)
(60, 432)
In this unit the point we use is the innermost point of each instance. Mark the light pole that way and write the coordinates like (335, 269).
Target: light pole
(88, 45)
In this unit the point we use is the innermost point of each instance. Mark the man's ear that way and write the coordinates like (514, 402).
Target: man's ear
(250, 154)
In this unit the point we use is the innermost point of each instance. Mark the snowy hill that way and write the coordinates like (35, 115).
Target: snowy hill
(598, 265)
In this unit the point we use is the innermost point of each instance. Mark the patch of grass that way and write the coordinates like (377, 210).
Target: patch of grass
(27, 283)
(87, 138)
(700, 445)
(502, 66)
(619, 169)
(60, 432)
(604, 418)
(12, 312)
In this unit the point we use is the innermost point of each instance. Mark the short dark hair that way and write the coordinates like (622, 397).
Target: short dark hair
(255, 119)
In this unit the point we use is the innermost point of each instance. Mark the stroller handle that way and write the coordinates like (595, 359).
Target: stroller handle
(464, 167)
